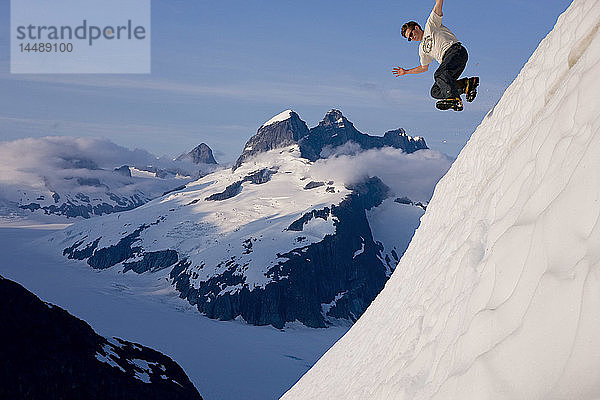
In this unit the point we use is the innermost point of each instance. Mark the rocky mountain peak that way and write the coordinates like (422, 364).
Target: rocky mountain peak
(201, 154)
(334, 118)
(282, 130)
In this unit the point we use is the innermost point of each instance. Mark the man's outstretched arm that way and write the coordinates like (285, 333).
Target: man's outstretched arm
(438, 7)
(399, 71)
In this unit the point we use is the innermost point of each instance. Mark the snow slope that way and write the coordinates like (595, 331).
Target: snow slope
(497, 296)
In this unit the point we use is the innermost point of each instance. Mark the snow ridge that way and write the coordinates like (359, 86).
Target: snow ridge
(497, 294)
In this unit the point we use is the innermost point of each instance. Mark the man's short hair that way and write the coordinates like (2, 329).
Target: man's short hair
(408, 25)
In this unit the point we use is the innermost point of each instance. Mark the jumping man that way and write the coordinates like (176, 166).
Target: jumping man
(437, 42)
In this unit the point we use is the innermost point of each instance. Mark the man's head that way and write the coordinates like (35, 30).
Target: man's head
(412, 31)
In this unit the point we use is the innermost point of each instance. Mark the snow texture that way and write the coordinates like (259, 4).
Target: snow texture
(497, 296)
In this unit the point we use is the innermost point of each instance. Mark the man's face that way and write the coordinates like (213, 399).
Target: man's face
(414, 34)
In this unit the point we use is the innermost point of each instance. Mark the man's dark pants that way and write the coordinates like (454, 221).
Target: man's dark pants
(446, 76)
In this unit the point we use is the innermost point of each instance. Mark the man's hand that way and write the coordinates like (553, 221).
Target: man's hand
(399, 71)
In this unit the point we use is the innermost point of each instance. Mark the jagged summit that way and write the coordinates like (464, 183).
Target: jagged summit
(333, 131)
(282, 130)
(201, 154)
(335, 118)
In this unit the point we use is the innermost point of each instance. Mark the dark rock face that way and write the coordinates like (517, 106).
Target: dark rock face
(343, 271)
(153, 261)
(177, 189)
(405, 200)
(49, 354)
(106, 257)
(335, 130)
(298, 225)
(261, 176)
(313, 185)
(123, 170)
(73, 253)
(258, 177)
(230, 191)
(71, 210)
(201, 154)
(273, 136)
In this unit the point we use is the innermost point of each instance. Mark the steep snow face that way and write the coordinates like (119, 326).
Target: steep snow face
(497, 296)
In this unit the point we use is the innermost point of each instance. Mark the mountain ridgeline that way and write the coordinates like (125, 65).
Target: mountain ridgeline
(333, 131)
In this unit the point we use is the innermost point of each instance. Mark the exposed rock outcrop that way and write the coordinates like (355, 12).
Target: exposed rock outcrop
(49, 354)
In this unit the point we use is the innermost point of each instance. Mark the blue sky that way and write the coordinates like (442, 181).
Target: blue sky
(221, 69)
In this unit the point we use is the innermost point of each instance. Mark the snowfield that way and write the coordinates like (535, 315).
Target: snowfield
(209, 231)
(498, 294)
(271, 222)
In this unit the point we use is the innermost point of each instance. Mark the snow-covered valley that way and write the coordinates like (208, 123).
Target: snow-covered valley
(224, 360)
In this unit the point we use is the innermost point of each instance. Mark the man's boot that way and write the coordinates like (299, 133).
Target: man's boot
(471, 88)
(461, 85)
(446, 104)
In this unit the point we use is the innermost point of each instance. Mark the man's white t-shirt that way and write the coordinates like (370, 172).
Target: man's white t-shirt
(436, 40)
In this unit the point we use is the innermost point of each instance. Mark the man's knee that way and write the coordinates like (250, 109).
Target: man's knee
(436, 92)
(439, 73)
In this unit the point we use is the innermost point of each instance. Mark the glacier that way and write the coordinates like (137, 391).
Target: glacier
(497, 296)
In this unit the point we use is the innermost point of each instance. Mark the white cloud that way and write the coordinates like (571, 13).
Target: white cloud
(61, 163)
(414, 175)
(349, 149)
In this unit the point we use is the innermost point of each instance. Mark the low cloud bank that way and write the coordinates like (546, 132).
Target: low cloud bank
(414, 175)
(85, 165)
